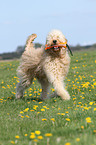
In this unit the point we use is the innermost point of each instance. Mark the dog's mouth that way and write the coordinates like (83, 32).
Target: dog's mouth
(56, 48)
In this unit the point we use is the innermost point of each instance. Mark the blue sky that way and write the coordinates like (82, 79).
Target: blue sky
(20, 18)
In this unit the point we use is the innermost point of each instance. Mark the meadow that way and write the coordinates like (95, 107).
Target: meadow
(30, 121)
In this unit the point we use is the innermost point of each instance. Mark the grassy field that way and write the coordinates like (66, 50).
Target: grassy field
(30, 121)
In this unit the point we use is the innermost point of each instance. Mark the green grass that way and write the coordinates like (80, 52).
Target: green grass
(67, 121)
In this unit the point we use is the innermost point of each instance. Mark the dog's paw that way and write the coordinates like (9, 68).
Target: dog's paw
(18, 96)
(66, 97)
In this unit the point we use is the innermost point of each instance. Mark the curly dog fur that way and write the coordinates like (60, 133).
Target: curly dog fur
(48, 66)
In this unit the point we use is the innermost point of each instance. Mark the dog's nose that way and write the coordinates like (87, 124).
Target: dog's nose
(54, 41)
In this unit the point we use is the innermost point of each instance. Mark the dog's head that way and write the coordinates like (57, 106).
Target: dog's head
(55, 39)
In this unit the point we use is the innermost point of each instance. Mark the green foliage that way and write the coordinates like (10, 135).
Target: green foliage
(30, 121)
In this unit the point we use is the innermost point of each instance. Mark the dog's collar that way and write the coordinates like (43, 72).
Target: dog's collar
(65, 45)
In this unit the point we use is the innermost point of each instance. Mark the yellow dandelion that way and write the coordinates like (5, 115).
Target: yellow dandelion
(44, 119)
(77, 139)
(94, 109)
(21, 112)
(58, 113)
(82, 127)
(26, 109)
(45, 107)
(66, 112)
(42, 109)
(62, 113)
(35, 107)
(38, 112)
(27, 116)
(26, 134)
(67, 119)
(22, 116)
(32, 133)
(40, 137)
(94, 84)
(35, 140)
(53, 119)
(94, 131)
(31, 110)
(12, 142)
(32, 136)
(74, 99)
(59, 108)
(91, 103)
(37, 132)
(48, 134)
(40, 102)
(40, 90)
(30, 94)
(88, 120)
(17, 136)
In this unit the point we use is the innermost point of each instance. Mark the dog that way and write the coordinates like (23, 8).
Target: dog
(49, 65)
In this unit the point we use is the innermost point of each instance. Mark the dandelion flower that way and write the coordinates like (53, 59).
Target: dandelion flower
(42, 109)
(82, 127)
(62, 113)
(27, 116)
(32, 136)
(94, 131)
(12, 142)
(91, 103)
(88, 120)
(53, 119)
(77, 139)
(67, 119)
(48, 134)
(40, 137)
(21, 112)
(37, 132)
(17, 136)
(44, 119)
(26, 109)
(35, 140)
(94, 109)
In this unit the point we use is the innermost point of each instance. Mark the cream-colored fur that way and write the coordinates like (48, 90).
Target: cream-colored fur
(50, 67)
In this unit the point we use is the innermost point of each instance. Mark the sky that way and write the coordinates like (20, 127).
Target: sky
(20, 18)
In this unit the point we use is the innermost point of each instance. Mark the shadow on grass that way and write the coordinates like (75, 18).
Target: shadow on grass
(25, 99)
(13, 98)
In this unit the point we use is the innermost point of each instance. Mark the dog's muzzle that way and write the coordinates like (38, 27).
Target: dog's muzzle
(57, 47)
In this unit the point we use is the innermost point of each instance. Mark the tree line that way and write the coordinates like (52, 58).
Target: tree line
(20, 49)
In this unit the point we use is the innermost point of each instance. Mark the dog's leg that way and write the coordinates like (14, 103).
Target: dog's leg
(60, 90)
(45, 88)
(57, 81)
(21, 86)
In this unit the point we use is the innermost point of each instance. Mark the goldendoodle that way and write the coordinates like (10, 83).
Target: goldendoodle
(49, 65)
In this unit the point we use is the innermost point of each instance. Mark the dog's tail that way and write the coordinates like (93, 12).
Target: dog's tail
(29, 42)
